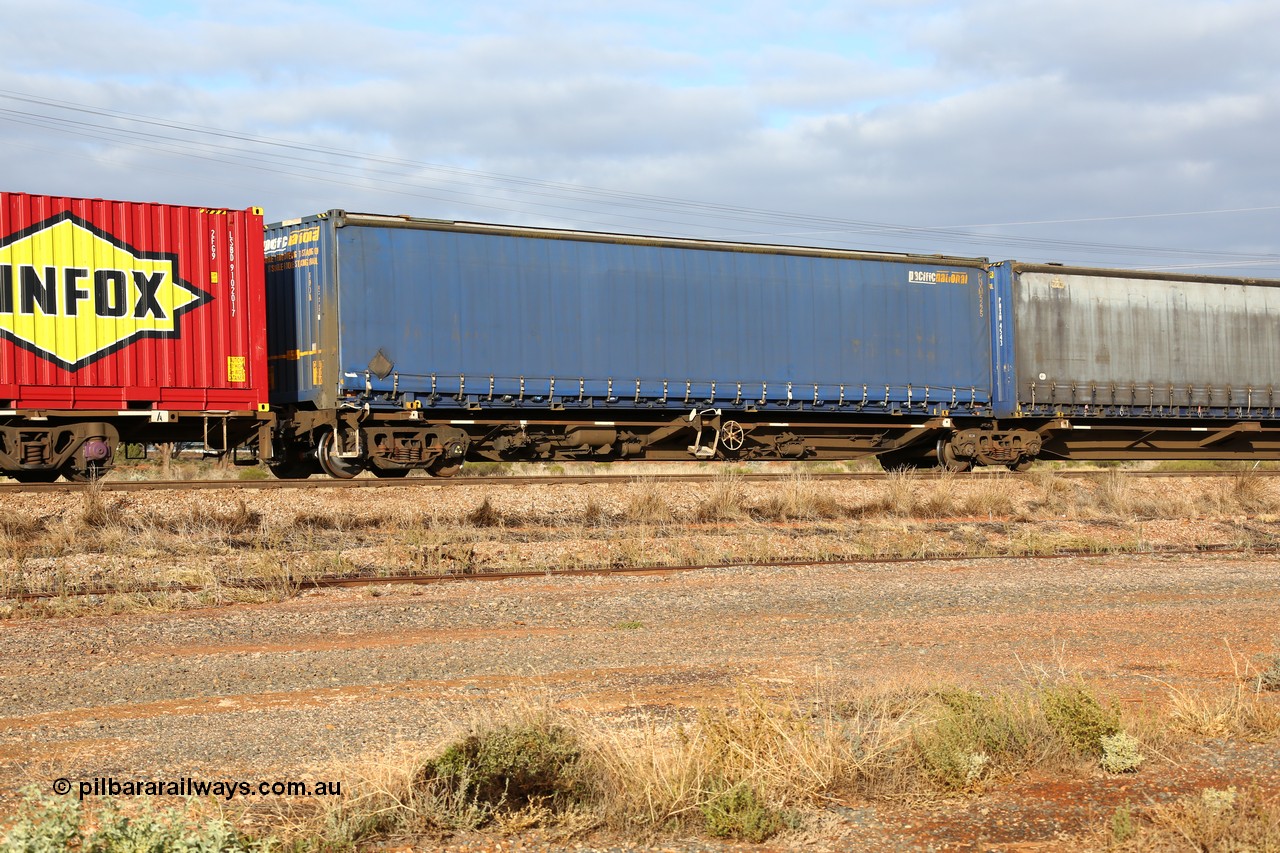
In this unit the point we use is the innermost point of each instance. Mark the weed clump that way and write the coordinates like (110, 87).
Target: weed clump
(485, 515)
(648, 506)
(971, 736)
(725, 502)
(1077, 716)
(47, 824)
(509, 768)
(1217, 819)
(1121, 824)
(1120, 753)
(740, 813)
(97, 513)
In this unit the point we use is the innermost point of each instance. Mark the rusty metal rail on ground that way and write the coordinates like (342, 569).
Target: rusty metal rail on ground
(350, 581)
(567, 480)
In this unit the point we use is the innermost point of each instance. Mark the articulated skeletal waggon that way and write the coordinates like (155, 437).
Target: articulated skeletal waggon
(347, 342)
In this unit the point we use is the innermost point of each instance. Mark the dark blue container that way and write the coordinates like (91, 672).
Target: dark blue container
(396, 311)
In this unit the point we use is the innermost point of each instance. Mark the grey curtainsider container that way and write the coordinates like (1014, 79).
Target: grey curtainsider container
(1112, 343)
(446, 314)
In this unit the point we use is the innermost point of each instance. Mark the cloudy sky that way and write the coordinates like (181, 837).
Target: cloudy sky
(1104, 132)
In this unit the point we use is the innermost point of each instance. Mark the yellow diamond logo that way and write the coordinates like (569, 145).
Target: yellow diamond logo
(72, 293)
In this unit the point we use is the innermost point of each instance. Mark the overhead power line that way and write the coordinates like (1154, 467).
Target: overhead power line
(565, 202)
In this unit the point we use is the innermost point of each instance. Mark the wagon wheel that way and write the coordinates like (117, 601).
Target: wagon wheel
(948, 460)
(334, 466)
(440, 468)
(732, 436)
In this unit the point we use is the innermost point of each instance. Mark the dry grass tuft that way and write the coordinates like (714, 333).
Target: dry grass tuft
(593, 514)
(1214, 820)
(990, 496)
(1242, 711)
(311, 522)
(23, 528)
(941, 500)
(1268, 677)
(239, 520)
(897, 495)
(1114, 494)
(741, 769)
(485, 515)
(1252, 493)
(797, 499)
(725, 502)
(647, 504)
(96, 512)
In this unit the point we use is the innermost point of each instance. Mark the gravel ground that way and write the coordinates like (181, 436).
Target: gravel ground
(293, 690)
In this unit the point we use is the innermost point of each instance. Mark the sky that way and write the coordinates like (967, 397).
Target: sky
(1118, 133)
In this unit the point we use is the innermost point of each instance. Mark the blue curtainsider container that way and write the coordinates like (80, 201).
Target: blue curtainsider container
(408, 311)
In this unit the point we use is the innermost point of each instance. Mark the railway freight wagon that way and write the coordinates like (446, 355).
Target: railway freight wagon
(1110, 364)
(123, 322)
(399, 343)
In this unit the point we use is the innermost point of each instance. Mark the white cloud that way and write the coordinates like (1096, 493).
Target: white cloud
(923, 113)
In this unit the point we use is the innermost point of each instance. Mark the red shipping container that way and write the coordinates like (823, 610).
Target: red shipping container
(109, 305)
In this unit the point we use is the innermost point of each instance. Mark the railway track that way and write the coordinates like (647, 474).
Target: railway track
(551, 480)
(355, 581)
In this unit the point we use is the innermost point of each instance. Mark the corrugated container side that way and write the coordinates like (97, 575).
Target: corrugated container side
(1104, 339)
(498, 315)
(123, 305)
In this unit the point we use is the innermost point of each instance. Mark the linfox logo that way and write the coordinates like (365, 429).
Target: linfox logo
(72, 293)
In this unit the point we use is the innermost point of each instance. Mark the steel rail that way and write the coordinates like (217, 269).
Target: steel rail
(353, 581)
(564, 479)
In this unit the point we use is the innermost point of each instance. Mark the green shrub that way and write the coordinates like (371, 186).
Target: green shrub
(1120, 753)
(739, 812)
(56, 825)
(164, 832)
(44, 825)
(1076, 715)
(972, 734)
(507, 768)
